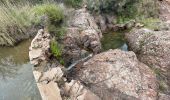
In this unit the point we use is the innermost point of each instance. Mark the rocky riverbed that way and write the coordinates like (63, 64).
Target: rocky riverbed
(109, 75)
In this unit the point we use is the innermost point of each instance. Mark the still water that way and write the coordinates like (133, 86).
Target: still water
(114, 40)
(16, 77)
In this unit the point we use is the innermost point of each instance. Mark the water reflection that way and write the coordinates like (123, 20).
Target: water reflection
(17, 81)
(7, 67)
(114, 40)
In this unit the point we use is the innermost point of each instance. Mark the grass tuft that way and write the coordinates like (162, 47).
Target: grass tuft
(17, 18)
(73, 3)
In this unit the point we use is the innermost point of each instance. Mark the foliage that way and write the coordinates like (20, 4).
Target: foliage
(118, 6)
(73, 3)
(19, 16)
(55, 49)
(53, 12)
(52, 17)
(14, 19)
(124, 9)
(148, 8)
(151, 23)
(122, 19)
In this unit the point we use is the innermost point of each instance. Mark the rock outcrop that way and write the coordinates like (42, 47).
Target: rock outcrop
(49, 75)
(82, 37)
(45, 74)
(153, 49)
(111, 75)
(118, 75)
(40, 45)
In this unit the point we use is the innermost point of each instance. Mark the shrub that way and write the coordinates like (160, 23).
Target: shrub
(52, 11)
(126, 9)
(17, 18)
(73, 3)
(110, 5)
(56, 49)
(52, 17)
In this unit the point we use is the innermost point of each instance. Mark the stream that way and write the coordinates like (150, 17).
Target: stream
(17, 80)
(114, 40)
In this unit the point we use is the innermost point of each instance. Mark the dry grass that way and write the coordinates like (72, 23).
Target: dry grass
(16, 18)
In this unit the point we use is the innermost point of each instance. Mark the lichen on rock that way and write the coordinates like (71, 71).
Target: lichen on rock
(117, 74)
(153, 49)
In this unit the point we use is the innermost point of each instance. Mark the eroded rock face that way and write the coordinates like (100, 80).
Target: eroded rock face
(39, 46)
(153, 49)
(117, 75)
(49, 74)
(82, 37)
(76, 91)
(45, 76)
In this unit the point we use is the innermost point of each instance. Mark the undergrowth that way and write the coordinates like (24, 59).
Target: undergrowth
(151, 23)
(56, 50)
(18, 17)
(73, 3)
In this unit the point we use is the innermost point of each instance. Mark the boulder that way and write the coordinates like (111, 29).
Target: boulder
(153, 49)
(40, 45)
(164, 97)
(82, 35)
(49, 75)
(76, 91)
(118, 75)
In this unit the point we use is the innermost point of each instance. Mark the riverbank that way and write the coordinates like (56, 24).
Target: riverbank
(74, 57)
(100, 75)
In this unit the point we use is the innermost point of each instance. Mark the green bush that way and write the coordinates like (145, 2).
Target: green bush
(126, 9)
(53, 12)
(55, 49)
(111, 5)
(52, 17)
(17, 18)
(73, 3)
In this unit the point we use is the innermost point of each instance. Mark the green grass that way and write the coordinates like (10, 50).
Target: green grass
(16, 19)
(52, 16)
(122, 19)
(151, 23)
(56, 50)
(52, 11)
(73, 3)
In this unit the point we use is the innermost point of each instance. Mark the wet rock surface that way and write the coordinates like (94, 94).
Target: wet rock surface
(153, 49)
(118, 75)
